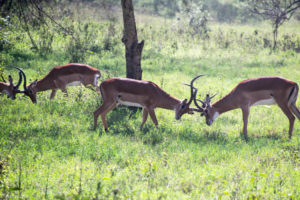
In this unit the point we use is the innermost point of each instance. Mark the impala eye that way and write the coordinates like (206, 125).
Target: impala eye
(182, 106)
(206, 111)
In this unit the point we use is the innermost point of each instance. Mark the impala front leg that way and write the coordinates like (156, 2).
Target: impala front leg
(245, 111)
(153, 116)
(52, 95)
(145, 116)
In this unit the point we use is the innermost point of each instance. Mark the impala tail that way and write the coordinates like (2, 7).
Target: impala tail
(292, 101)
(100, 90)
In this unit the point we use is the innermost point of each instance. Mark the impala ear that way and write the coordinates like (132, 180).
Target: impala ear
(10, 80)
(34, 82)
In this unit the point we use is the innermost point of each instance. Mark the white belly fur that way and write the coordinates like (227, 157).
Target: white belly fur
(74, 83)
(270, 101)
(127, 103)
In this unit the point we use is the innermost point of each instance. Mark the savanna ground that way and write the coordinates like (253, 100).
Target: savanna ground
(50, 150)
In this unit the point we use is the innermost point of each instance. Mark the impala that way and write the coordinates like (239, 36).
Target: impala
(143, 94)
(9, 88)
(62, 76)
(257, 91)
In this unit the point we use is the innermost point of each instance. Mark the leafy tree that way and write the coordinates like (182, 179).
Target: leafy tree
(197, 16)
(4, 32)
(277, 11)
(32, 15)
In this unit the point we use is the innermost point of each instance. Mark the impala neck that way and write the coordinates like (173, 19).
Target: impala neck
(225, 104)
(7, 89)
(3, 86)
(42, 85)
(168, 102)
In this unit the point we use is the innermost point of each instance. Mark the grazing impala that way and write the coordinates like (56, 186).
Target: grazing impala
(9, 88)
(138, 93)
(257, 91)
(62, 76)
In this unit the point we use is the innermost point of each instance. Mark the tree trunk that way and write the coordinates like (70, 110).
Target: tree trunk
(275, 33)
(133, 49)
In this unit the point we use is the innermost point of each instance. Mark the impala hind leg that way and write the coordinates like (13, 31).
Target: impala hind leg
(295, 110)
(246, 111)
(292, 102)
(103, 115)
(290, 116)
(103, 110)
(145, 116)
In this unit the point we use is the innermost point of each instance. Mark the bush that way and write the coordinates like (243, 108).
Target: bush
(82, 41)
(197, 17)
(4, 32)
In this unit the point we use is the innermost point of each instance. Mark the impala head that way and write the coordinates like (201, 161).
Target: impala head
(12, 89)
(184, 106)
(29, 90)
(208, 111)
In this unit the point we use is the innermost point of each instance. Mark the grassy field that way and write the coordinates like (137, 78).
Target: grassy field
(49, 150)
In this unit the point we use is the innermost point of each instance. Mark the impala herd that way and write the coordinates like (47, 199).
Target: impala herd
(147, 95)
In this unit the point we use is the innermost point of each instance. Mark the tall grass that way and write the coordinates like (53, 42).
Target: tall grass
(50, 150)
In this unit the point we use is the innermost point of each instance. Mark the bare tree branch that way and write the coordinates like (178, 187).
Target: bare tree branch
(51, 18)
(277, 11)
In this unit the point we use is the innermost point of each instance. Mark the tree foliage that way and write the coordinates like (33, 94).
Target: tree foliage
(197, 16)
(277, 11)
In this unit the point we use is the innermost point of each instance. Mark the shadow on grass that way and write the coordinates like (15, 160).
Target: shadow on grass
(124, 121)
(217, 137)
(120, 121)
(254, 137)
(221, 138)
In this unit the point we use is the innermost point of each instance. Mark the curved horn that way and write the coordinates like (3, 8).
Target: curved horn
(24, 84)
(195, 101)
(203, 104)
(193, 95)
(19, 82)
(199, 109)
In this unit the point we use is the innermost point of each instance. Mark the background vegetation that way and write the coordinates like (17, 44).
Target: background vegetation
(50, 150)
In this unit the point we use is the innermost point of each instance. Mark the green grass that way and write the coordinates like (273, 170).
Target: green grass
(51, 150)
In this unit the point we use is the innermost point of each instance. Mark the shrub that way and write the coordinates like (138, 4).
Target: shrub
(4, 32)
(82, 41)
